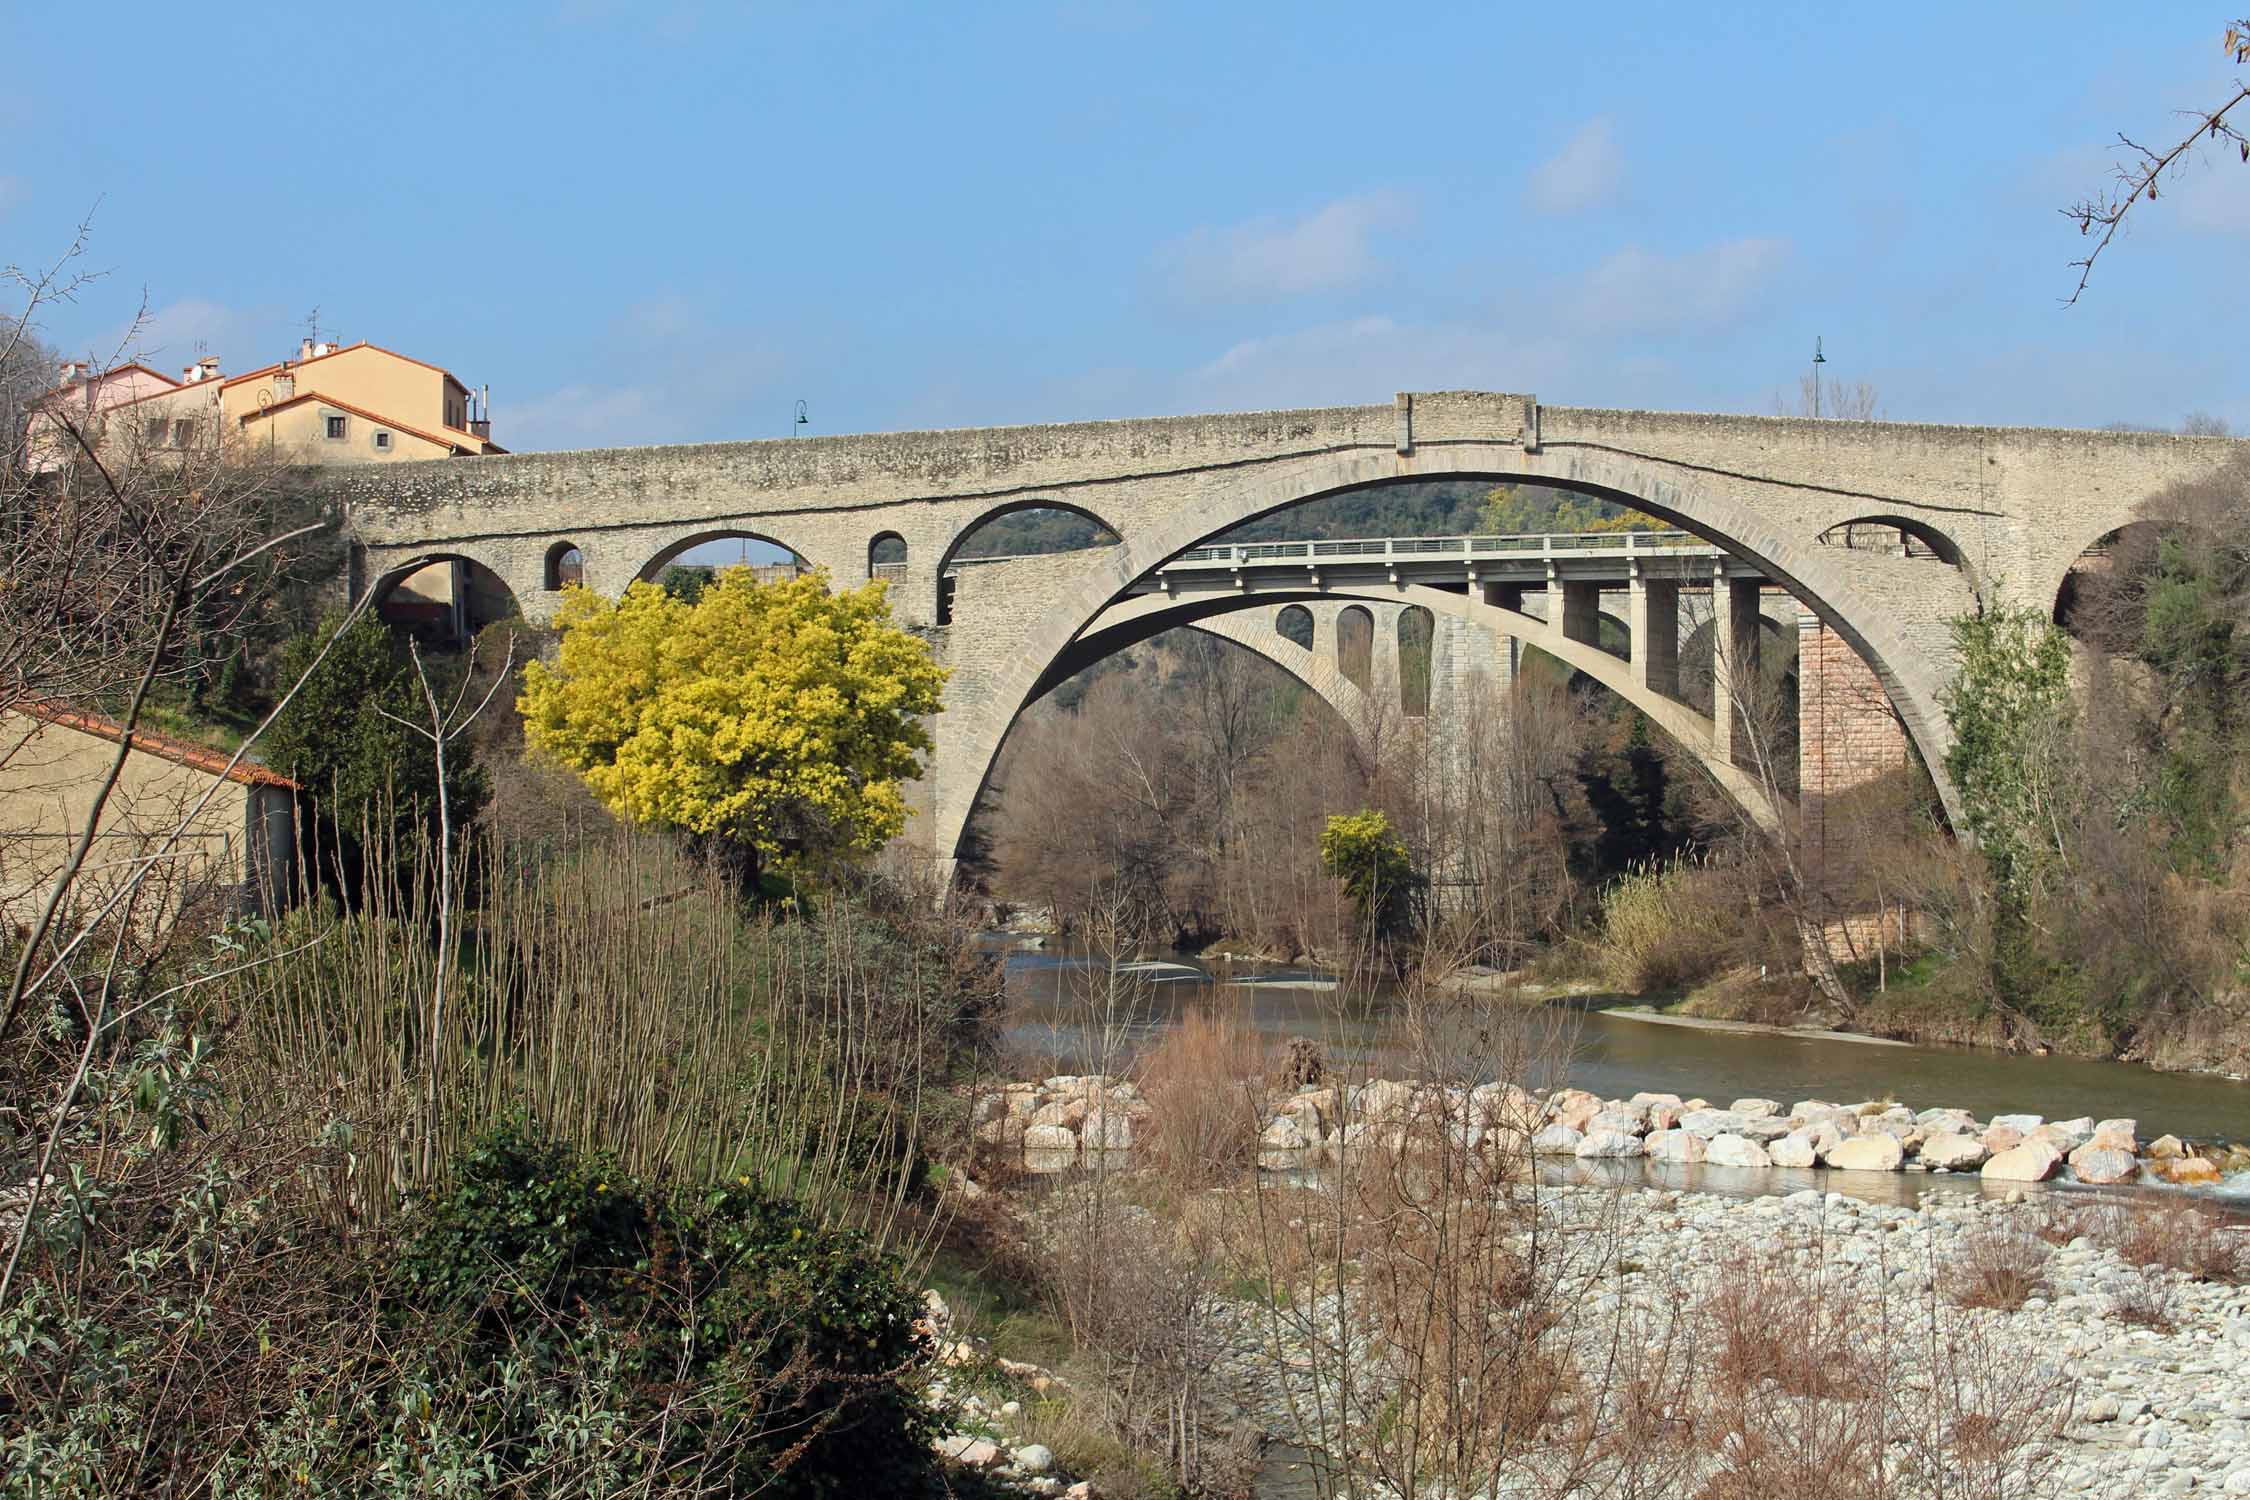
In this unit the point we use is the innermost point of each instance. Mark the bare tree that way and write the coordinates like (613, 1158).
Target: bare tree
(2136, 176)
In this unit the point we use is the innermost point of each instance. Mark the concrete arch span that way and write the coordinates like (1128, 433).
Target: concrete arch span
(1320, 677)
(1906, 647)
(1136, 619)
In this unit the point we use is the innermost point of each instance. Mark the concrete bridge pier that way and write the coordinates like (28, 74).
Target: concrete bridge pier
(1654, 619)
(1734, 665)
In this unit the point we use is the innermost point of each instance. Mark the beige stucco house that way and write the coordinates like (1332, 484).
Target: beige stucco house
(355, 404)
(236, 826)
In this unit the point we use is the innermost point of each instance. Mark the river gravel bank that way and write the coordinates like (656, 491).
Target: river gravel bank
(2122, 1410)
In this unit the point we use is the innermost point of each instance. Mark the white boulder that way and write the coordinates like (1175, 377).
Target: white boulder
(1952, 1150)
(1866, 1153)
(2033, 1161)
(1731, 1150)
(1600, 1142)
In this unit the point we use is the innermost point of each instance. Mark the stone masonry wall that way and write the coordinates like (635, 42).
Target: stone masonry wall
(1851, 760)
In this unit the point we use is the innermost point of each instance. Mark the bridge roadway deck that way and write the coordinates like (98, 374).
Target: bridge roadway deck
(1578, 556)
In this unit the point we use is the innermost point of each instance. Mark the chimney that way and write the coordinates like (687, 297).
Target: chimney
(72, 369)
(209, 365)
(305, 349)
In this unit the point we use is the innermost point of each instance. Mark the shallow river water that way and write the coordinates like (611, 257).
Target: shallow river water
(1614, 1054)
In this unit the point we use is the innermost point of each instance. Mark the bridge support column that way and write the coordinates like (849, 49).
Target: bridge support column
(1504, 595)
(1654, 615)
(1734, 662)
(1574, 608)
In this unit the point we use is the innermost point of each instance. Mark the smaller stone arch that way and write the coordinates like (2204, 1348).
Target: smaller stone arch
(2101, 599)
(788, 564)
(964, 545)
(886, 558)
(446, 600)
(1355, 645)
(565, 567)
(1893, 536)
(1417, 641)
(1295, 624)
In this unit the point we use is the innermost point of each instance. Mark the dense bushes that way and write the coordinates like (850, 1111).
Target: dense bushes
(549, 1326)
(736, 1333)
(297, 1239)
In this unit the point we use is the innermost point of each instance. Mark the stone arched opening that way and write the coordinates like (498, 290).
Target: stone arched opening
(446, 600)
(1020, 528)
(2102, 601)
(1355, 646)
(563, 568)
(706, 553)
(1894, 536)
(1417, 635)
(1295, 624)
(886, 558)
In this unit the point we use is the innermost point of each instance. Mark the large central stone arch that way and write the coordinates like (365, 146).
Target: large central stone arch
(1734, 511)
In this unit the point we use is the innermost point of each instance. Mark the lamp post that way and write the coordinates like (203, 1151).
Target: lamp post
(1818, 359)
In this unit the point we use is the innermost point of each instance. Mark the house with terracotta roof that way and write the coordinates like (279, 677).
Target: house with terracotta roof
(83, 394)
(333, 404)
(203, 828)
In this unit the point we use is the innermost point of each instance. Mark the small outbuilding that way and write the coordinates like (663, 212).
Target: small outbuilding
(201, 828)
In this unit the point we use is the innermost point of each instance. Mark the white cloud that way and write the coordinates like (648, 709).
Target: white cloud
(1639, 291)
(1327, 249)
(1583, 174)
(176, 333)
(1364, 360)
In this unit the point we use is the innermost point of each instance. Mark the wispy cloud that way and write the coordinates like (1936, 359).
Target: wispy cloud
(1637, 291)
(175, 333)
(1583, 174)
(1365, 359)
(663, 370)
(1329, 248)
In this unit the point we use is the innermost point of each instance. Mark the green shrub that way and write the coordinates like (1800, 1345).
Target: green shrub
(1363, 851)
(769, 1339)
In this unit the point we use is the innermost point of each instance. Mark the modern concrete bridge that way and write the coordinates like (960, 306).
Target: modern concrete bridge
(1983, 512)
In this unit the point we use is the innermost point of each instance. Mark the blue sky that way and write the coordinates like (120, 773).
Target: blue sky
(666, 221)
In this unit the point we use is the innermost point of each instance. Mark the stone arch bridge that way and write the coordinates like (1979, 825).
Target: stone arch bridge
(1774, 507)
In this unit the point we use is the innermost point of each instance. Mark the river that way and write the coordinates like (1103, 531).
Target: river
(1615, 1055)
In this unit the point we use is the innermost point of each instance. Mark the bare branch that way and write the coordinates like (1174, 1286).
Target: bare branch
(2138, 176)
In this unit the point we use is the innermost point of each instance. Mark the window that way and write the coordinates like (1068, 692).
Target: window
(336, 428)
(157, 427)
(183, 432)
(382, 439)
